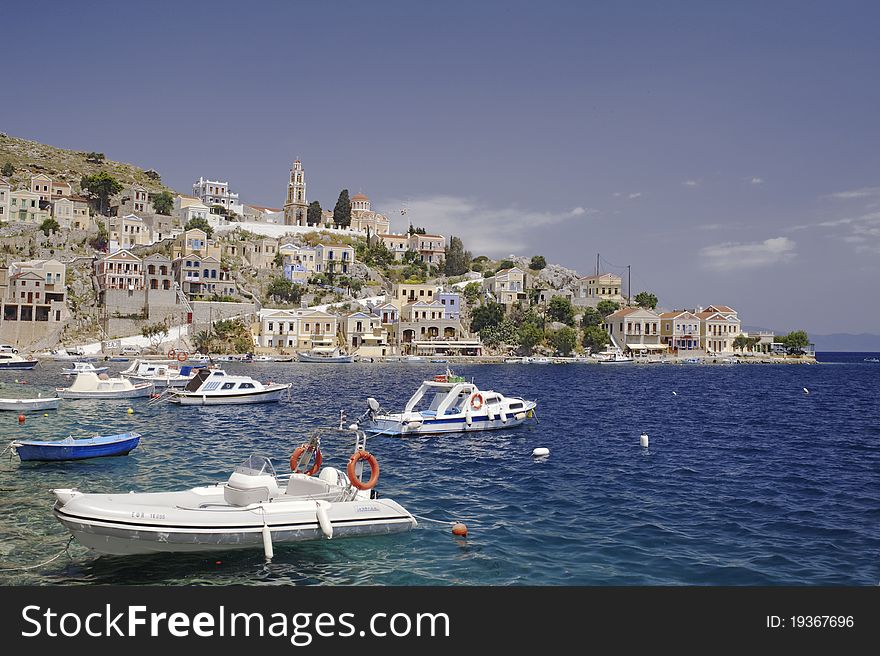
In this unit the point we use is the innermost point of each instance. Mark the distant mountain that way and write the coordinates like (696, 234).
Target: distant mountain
(847, 342)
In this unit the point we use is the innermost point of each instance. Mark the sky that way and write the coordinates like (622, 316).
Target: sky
(728, 152)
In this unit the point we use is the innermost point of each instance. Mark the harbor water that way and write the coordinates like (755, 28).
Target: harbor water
(747, 480)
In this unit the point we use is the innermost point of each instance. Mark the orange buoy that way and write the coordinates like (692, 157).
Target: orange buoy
(298, 453)
(459, 529)
(21, 419)
(374, 470)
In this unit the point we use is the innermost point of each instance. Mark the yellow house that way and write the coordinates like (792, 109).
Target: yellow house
(365, 335)
(128, 231)
(72, 212)
(195, 241)
(680, 330)
(605, 286)
(25, 207)
(403, 293)
(719, 327)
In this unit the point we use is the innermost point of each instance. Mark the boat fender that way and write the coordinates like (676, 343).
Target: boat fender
(468, 419)
(503, 417)
(267, 542)
(374, 469)
(520, 416)
(298, 453)
(324, 518)
(490, 413)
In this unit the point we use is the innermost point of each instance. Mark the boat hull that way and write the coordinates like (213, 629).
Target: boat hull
(22, 405)
(138, 392)
(25, 364)
(130, 528)
(261, 396)
(77, 449)
(393, 426)
(337, 359)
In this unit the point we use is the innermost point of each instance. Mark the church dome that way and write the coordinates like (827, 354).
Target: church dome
(359, 197)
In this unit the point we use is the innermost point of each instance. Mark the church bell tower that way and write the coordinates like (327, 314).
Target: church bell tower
(295, 207)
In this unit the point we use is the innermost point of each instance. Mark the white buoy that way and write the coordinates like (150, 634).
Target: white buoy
(540, 452)
(267, 543)
(643, 440)
(806, 391)
(675, 394)
(324, 519)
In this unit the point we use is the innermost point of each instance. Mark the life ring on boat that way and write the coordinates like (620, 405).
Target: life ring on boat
(477, 401)
(172, 354)
(374, 469)
(183, 356)
(298, 453)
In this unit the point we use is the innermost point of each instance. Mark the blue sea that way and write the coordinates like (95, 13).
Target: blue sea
(748, 480)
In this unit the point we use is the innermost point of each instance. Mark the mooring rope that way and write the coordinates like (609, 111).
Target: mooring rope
(45, 562)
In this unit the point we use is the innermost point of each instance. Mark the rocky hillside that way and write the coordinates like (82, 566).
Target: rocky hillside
(31, 157)
(556, 276)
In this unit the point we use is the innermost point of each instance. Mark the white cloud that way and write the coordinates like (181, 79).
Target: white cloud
(690, 183)
(634, 195)
(864, 192)
(485, 230)
(733, 256)
(617, 194)
(756, 180)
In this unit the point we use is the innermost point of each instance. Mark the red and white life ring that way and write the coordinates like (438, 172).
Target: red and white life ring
(183, 356)
(477, 401)
(374, 469)
(298, 453)
(172, 354)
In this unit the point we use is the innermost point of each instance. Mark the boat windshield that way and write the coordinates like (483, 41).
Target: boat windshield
(255, 466)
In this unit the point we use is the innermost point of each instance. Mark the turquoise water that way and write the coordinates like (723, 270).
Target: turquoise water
(747, 481)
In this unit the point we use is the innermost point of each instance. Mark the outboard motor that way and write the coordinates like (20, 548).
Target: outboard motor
(253, 481)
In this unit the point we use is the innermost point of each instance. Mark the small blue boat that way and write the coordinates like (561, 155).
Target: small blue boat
(72, 449)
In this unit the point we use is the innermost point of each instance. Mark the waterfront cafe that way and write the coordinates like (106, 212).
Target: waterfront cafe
(447, 347)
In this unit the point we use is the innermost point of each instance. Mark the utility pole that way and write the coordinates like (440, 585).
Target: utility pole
(628, 283)
(597, 264)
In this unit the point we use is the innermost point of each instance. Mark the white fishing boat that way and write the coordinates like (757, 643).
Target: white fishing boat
(80, 367)
(448, 404)
(15, 361)
(216, 387)
(89, 385)
(25, 405)
(612, 355)
(255, 508)
(162, 373)
(326, 355)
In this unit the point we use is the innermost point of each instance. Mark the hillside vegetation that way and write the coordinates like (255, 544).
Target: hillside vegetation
(31, 157)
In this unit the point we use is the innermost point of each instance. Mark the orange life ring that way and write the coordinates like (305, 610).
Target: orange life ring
(440, 378)
(374, 468)
(183, 356)
(477, 401)
(298, 453)
(172, 354)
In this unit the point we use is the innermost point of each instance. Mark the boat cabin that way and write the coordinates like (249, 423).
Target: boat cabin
(216, 380)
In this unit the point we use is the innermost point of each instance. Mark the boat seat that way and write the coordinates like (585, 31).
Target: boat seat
(243, 490)
(302, 485)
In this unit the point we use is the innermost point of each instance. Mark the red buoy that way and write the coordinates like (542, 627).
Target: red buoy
(459, 529)
(21, 419)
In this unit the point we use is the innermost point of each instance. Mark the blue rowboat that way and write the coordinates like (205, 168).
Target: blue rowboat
(71, 449)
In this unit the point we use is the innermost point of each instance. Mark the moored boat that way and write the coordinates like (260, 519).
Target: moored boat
(24, 405)
(79, 367)
(216, 387)
(89, 385)
(254, 508)
(326, 355)
(448, 404)
(15, 361)
(76, 449)
(162, 373)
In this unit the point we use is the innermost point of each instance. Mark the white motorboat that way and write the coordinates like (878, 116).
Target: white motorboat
(612, 355)
(327, 355)
(15, 361)
(262, 358)
(216, 387)
(80, 367)
(24, 405)
(540, 360)
(448, 404)
(254, 508)
(89, 385)
(162, 373)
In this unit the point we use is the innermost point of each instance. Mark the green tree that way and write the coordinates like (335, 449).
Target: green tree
(795, 342)
(590, 317)
(314, 214)
(564, 340)
(560, 309)
(155, 333)
(606, 307)
(95, 158)
(201, 224)
(8, 169)
(219, 209)
(457, 261)
(486, 316)
(163, 203)
(278, 260)
(201, 341)
(49, 226)
(646, 300)
(284, 291)
(100, 187)
(538, 262)
(740, 342)
(99, 242)
(595, 339)
(471, 292)
(504, 264)
(530, 335)
(342, 211)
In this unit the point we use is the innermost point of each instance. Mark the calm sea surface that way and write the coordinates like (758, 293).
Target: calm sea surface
(748, 480)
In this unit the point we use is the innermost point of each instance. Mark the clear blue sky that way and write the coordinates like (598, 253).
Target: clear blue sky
(729, 151)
